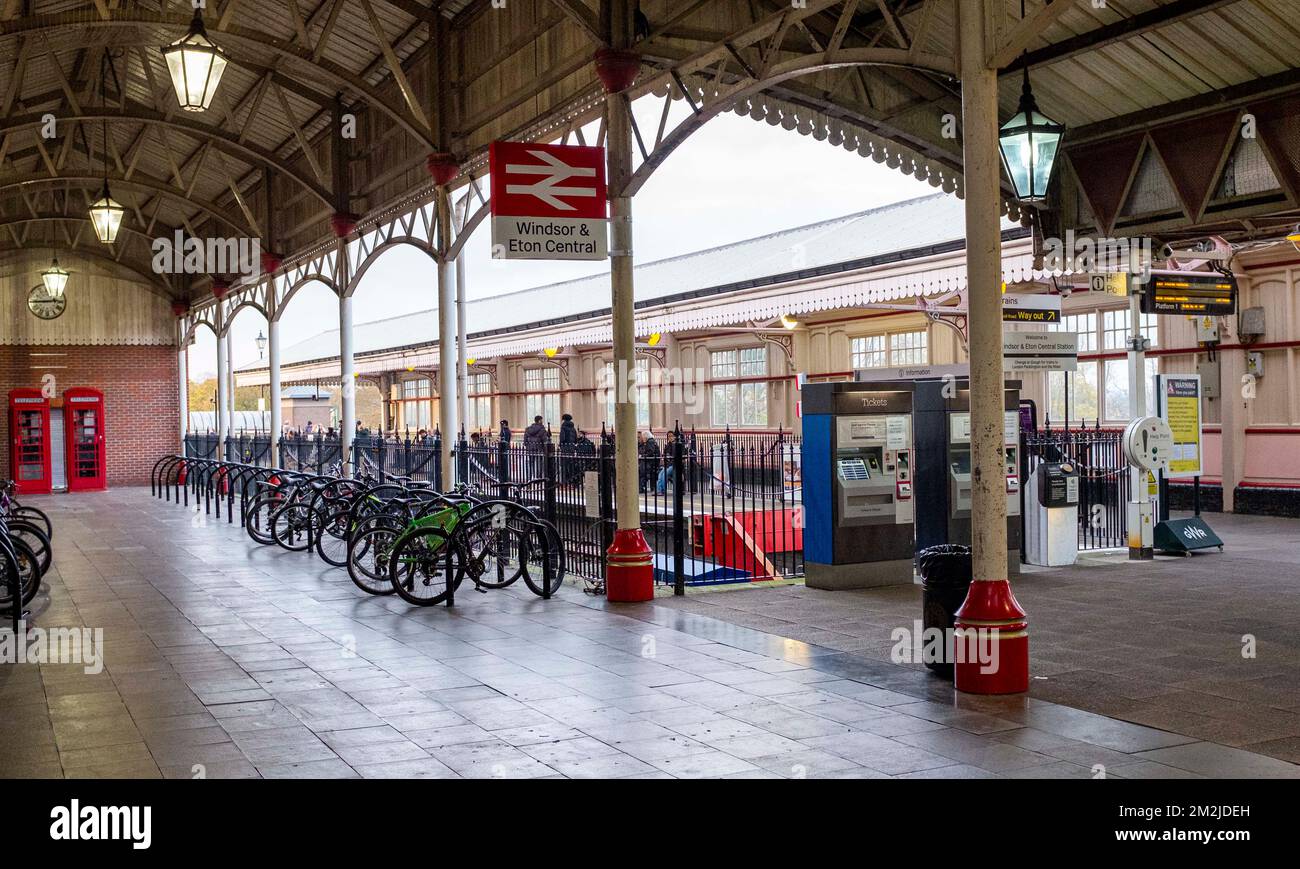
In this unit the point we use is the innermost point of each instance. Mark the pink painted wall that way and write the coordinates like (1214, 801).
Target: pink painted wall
(1273, 457)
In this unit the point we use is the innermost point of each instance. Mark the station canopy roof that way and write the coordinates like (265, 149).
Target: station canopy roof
(1153, 94)
(916, 228)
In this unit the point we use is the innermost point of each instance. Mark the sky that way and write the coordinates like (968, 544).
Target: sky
(733, 179)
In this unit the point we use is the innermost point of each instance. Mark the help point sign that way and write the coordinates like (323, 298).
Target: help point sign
(548, 202)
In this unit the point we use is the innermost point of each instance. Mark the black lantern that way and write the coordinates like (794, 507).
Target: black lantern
(1029, 142)
(196, 64)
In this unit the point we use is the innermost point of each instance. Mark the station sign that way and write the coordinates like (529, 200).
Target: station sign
(549, 202)
(1179, 397)
(1110, 283)
(1040, 351)
(1031, 308)
(1201, 293)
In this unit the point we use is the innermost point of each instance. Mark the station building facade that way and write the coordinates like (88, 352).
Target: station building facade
(726, 336)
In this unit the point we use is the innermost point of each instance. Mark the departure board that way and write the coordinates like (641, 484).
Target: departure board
(1209, 293)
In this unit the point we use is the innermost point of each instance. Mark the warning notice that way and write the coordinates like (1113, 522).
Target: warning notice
(1181, 407)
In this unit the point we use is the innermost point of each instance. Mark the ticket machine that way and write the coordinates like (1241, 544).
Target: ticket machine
(29, 441)
(943, 464)
(857, 484)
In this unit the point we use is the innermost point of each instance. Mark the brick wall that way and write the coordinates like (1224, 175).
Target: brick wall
(140, 398)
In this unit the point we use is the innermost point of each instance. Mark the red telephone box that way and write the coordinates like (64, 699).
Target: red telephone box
(83, 411)
(29, 441)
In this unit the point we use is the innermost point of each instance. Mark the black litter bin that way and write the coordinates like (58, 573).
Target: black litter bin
(945, 579)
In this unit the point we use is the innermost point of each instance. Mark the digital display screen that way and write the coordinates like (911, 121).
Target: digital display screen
(1208, 293)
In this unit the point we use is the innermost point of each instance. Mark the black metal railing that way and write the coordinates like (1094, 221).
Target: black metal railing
(715, 508)
(1104, 479)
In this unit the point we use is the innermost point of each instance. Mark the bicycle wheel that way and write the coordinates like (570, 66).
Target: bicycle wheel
(368, 557)
(543, 545)
(10, 584)
(258, 521)
(331, 536)
(23, 569)
(31, 514)
(423, 567)
(494, 550)
(37, 540)
(291, 527)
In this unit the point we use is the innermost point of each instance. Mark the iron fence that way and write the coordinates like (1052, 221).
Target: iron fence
(1104, 479)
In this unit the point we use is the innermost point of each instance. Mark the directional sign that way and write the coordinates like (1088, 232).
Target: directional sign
(548, 202)
(1031, 308)
(1040, 351)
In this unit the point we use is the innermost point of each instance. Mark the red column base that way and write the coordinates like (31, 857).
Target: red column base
(629, 574)
(992, 641)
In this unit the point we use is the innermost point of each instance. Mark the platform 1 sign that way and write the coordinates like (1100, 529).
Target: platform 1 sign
(548, 202)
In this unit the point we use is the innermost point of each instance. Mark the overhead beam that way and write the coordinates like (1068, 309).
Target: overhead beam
(1024, 34)
(1134, 25)
(153, 185)
(580, 14)
(147, 22)
(137, 113)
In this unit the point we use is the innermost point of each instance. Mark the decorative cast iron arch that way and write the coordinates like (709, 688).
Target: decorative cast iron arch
(297, 285)
(718, 100)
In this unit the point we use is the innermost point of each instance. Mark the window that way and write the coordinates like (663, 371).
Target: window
(417, 409)
(1115, 326)
(1099, 389)
(908, 348)
(867, 352)
(642, 392)
(1084, 324)
(1081, 386)
(743, 403)
(419, 388)
(900, 348)
(479, 389)
(538, 382)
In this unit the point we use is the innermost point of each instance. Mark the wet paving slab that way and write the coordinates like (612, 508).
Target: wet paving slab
(225, 659)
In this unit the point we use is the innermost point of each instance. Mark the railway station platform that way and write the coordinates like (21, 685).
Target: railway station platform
(224, 659)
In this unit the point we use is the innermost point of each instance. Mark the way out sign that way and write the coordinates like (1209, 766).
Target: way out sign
(548, 202)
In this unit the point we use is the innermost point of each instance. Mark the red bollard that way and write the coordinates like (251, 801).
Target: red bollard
(629, 575)
(992, 641)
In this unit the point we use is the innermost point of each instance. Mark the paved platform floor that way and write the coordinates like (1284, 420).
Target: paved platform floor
(225, 659)
(1156, 643)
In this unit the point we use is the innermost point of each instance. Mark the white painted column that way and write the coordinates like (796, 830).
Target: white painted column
(462, 341)
(273, 362)
(982, 177)
(446, 340)
(347, 381)
(1141, 517)
(183, 383)
(219, 406)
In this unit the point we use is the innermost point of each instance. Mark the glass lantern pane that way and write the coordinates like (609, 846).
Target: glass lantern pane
(1018, 156)
(1045, 145)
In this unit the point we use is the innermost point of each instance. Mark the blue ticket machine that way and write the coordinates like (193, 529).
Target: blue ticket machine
(857, 484)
